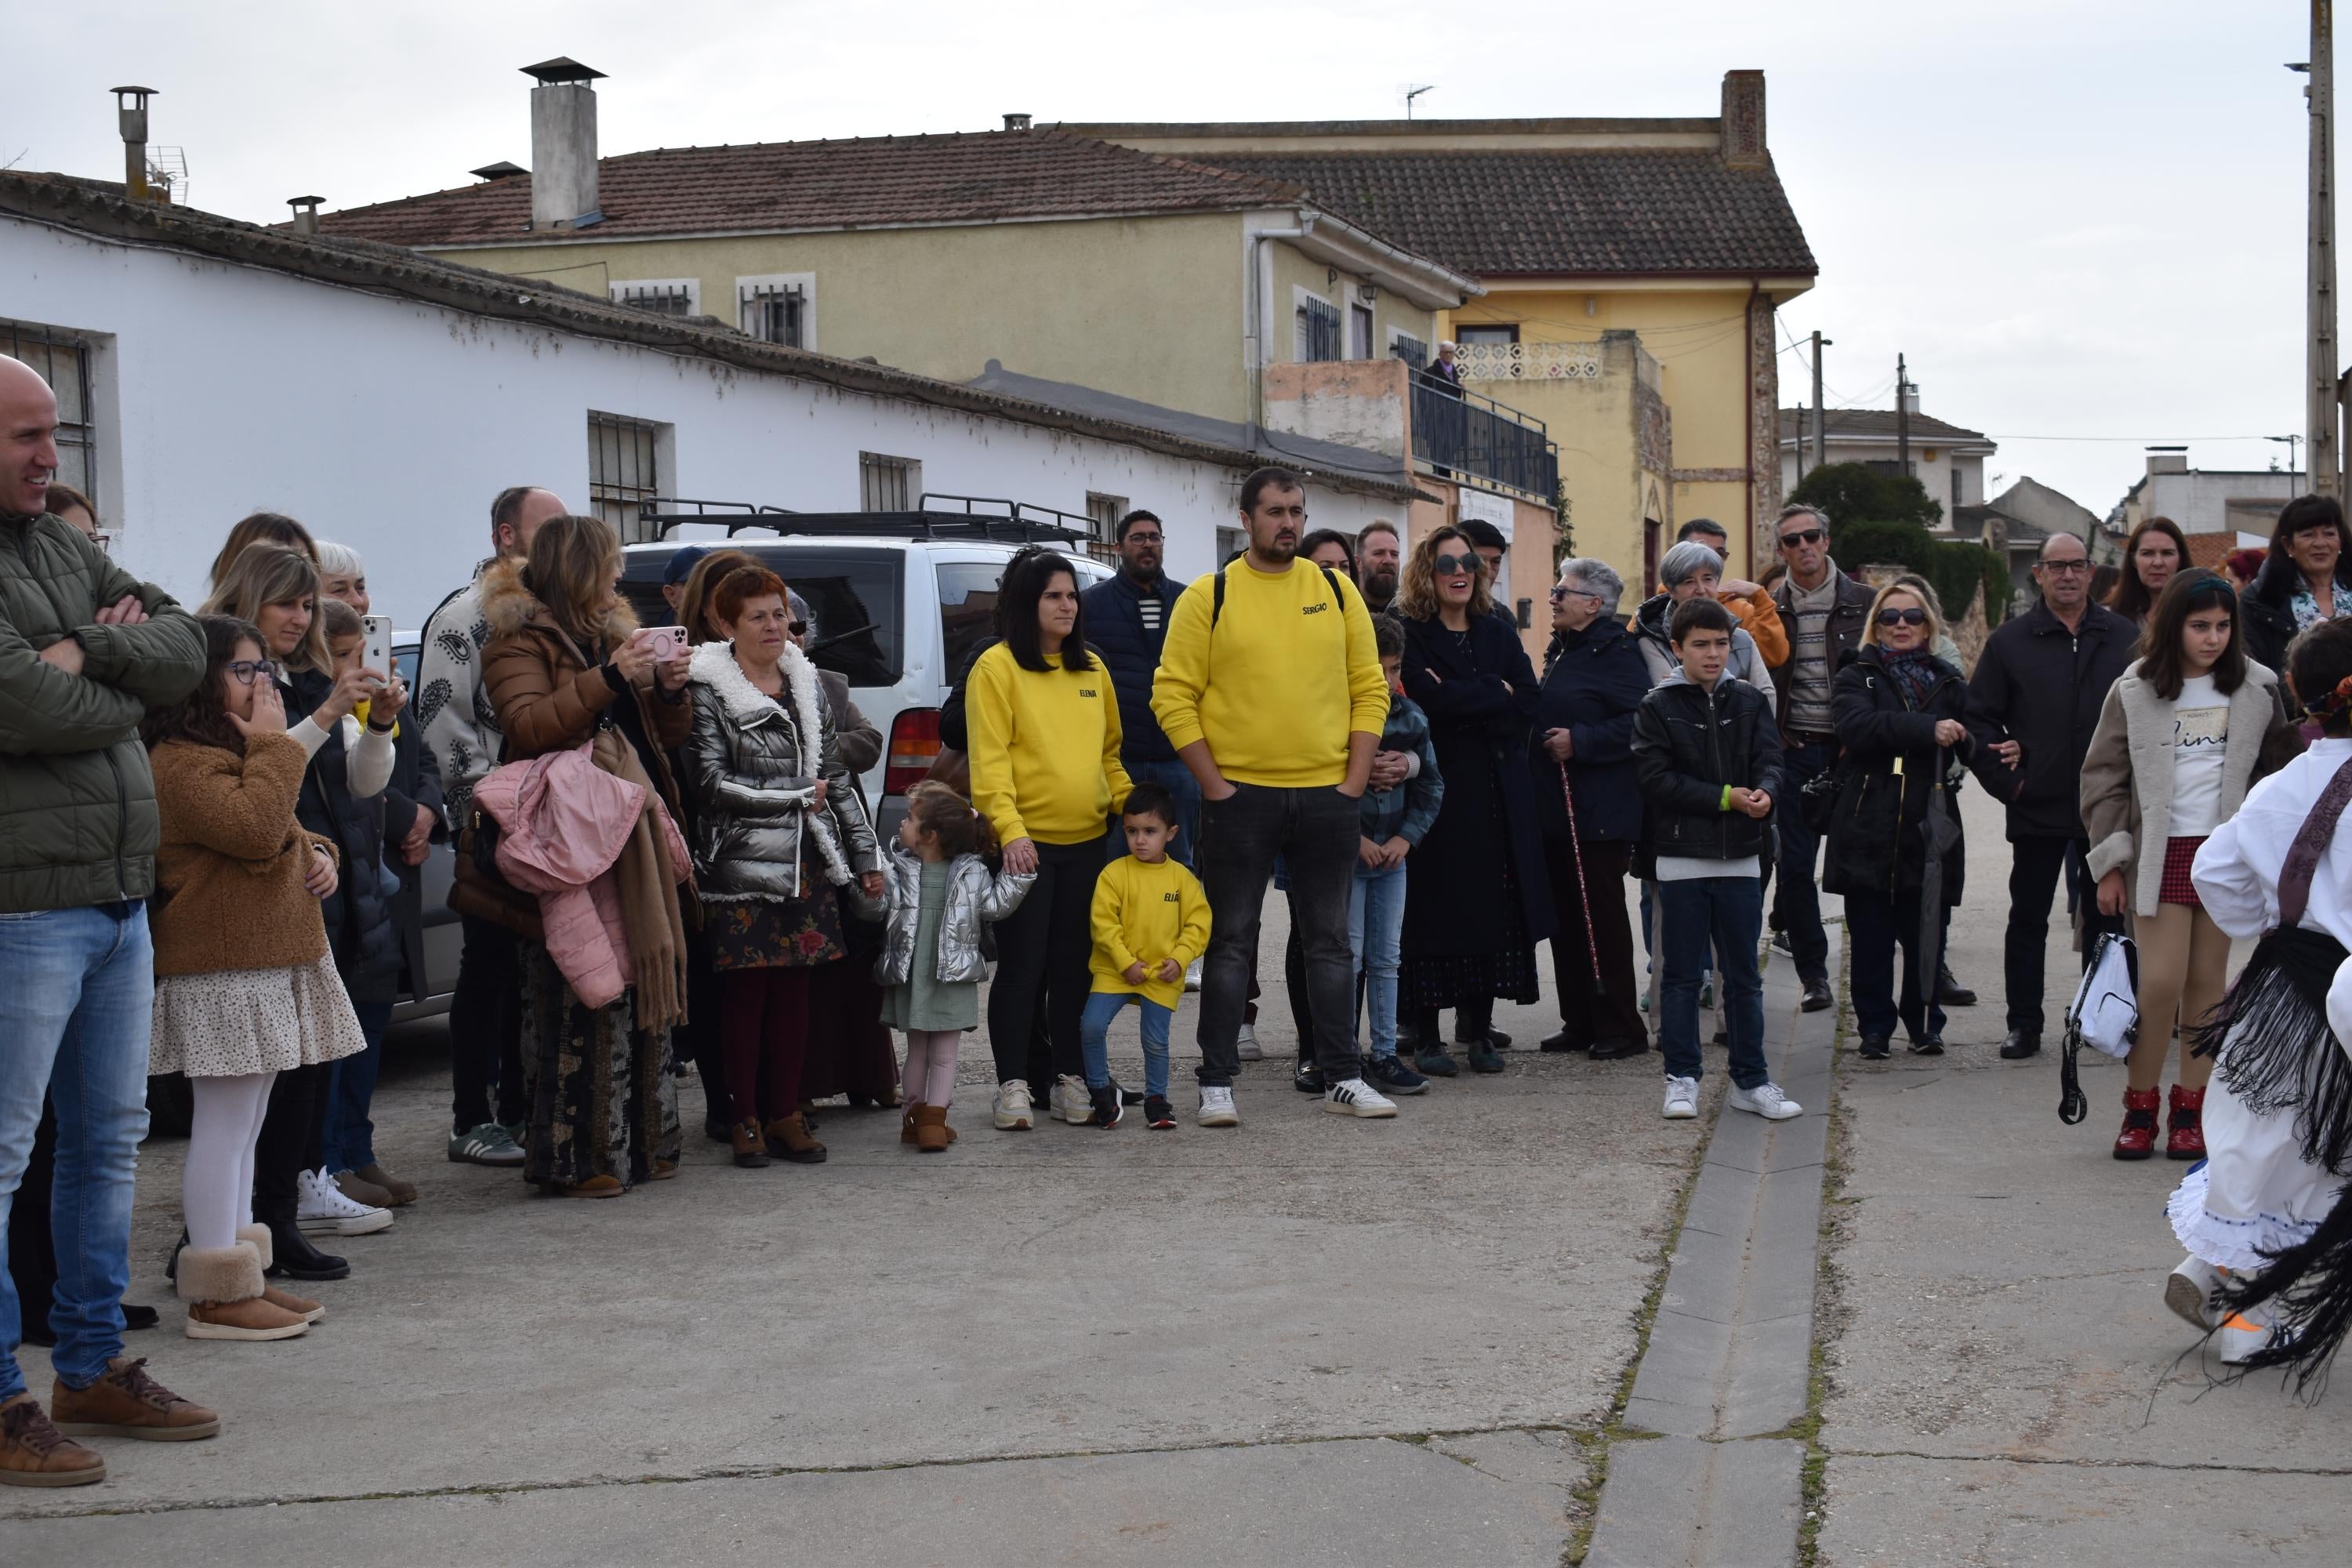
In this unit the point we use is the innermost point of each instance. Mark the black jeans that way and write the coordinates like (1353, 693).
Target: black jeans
(1315, 832)
(486, 1027)
(1042, 953)
(1874, 925)
(291, 1134)
(1796, 899)
(2034, 869)
(1302, 1012)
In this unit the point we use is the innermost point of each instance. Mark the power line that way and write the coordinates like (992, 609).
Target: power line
(2141, 440)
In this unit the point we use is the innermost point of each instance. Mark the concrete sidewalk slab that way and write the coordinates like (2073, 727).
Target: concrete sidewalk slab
(1678, 1502)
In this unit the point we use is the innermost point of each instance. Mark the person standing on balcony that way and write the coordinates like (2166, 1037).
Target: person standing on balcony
(1127, 621)
(1444, 369)
(1270, 689)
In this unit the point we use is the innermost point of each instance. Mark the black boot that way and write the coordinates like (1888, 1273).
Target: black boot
(1950, 992)
(293, 1257)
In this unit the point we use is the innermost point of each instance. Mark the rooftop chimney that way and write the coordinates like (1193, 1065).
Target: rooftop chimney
(1017, 122)
(131, 112)
(1742, 138)
(497, 171)
(306, 213)
(2168, 459)
(563, 143)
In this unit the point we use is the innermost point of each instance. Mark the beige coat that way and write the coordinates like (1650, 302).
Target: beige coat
(2127, 774)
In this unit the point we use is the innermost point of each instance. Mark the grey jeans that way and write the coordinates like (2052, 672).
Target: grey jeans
(1315, 832)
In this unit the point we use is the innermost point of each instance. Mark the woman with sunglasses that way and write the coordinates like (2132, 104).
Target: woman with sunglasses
(1897, 709)
(2185, 732)
(1476, 899)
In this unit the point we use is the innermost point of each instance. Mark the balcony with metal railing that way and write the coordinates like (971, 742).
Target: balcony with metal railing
(1463, 436)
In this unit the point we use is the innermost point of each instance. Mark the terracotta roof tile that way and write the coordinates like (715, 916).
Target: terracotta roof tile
(874, 182)
(1499, 213)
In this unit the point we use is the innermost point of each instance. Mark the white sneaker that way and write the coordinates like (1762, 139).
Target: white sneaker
(1354, 1097)
(1766, 1100)
(1192, 976)
(321, 1209)
(2241, 1337)
(1011, 1109)
(1245, 1044)
(1072, 1103)
(2188, 1291)
(1217, 1109)
(1681, 1098)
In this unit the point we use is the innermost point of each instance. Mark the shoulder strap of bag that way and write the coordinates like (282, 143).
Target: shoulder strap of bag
(1217, 595)
(2310, 843)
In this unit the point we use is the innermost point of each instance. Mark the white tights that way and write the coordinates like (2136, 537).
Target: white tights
(929, 1075)
(217, 1185)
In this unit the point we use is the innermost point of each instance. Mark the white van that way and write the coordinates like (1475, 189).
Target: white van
(898, 600)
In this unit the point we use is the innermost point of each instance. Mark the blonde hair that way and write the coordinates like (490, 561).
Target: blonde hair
(264, 574)
(569, 570)
(261, 527)
(341, 621)
(1417, 587)
(1916, 589)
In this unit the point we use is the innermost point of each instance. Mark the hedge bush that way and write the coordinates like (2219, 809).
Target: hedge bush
(1954, 569)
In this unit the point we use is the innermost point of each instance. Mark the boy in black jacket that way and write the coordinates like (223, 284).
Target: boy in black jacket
(1707, 752)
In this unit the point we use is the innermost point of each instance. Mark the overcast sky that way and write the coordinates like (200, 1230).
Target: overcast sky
(2081, 222)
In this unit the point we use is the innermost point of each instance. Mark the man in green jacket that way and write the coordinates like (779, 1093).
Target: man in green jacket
(84, 649)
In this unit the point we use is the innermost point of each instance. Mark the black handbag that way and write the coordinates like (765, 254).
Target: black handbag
(1817, 801)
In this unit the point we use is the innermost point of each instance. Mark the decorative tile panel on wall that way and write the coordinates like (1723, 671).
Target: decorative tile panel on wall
(1528, 361)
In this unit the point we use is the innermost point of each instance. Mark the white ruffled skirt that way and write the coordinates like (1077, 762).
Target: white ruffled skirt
(241, 1021)
(2254, 1193)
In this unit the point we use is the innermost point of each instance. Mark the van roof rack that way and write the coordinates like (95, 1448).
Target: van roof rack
(1017, 523)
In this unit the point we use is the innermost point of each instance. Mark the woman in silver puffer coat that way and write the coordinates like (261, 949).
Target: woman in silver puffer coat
(776, 819)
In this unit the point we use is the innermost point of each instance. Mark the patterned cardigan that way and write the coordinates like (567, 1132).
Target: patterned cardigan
(453, 707)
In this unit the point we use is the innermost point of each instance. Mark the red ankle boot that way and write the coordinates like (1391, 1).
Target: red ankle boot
(2186, 1139)
(2137, 1140)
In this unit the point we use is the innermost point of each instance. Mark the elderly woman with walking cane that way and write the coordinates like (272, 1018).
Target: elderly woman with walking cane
(1588, 807)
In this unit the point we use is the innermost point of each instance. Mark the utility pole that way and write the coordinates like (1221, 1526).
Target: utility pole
(1902, 419)
(1821, 423)
(2322, 368)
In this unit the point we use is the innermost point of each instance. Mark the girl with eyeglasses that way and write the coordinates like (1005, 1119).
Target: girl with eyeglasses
(1897, 710)
(2185, 732)
(245, 987)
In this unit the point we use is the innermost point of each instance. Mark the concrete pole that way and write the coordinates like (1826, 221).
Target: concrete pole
(1902, 419)
(2322, 368)
(1821, 419)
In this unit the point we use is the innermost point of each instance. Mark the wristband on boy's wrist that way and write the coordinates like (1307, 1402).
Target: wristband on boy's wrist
(1725, 805)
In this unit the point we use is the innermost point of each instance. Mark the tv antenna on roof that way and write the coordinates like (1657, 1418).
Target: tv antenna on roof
(1411, 92)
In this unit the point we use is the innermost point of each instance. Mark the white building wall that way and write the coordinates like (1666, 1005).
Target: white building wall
(388, 425)
(1936, 475)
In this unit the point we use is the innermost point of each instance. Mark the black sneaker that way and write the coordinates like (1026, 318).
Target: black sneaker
(1158, 1114)
(1874, 1047)
(1390, 1074)
(1433, 1061)
(1932, 1046)
(1306, 1078)
(1127, 1096)
(1108, 1106)
(1484, 1057)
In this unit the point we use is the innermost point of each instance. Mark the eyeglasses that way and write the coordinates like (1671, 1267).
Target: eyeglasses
(1914, 617)
(1454, 565)
(2064, 567)
(1136, 536)
(799, 628)
(1802, 536)
(1562, 591)
(245, 671)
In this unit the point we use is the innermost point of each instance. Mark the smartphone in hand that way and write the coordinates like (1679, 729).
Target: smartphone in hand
(376, 652)
(669, 642)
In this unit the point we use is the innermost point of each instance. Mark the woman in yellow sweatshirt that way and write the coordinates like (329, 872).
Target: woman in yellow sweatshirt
(1043, 725)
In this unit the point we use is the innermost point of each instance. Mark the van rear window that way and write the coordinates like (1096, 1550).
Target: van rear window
(966, 609)
(853, 597)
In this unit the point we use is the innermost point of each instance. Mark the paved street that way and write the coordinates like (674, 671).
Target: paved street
(1311, 1341)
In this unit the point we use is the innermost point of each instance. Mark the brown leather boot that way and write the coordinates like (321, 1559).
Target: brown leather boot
(931, 1131)
(127, 1403)
(750, 1149)
(34, 1453)
(906, 1124)
(398, 1191)
(257, 1238)
(788, 1139)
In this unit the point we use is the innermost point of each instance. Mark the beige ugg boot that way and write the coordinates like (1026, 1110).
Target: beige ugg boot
(257, 1238)
(223, 1286)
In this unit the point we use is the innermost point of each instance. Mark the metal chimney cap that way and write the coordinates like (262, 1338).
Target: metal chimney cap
(498, 171)
(148, 91)
(305, 201)
(1016, 121)
(562, 67)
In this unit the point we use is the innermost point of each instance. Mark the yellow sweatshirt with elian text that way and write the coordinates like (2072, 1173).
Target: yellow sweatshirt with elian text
(1144, 913)
(1044, 749)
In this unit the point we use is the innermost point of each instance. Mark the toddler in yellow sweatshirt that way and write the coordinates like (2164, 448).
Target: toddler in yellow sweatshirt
(1150, 921)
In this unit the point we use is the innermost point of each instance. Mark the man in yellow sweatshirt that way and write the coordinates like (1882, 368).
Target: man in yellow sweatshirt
(1270, 689)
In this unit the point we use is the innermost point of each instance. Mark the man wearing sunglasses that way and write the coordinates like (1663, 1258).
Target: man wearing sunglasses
(2033, 704)
(1821, 614)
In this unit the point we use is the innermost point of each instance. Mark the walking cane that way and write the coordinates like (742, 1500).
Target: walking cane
(1583, 893)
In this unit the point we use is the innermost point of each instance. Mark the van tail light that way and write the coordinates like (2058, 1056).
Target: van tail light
(914, 747)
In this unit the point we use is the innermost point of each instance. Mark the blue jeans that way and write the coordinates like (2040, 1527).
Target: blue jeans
(1376, 931)
(1796, 899)
(1177, 780)
(80, 1005)
(350, 1139)
(1094, 1036)
(1726, 914)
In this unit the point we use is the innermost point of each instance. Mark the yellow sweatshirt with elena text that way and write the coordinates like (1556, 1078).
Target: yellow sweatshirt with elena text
(1278, 685)
(1044, 749)
(1144, 913)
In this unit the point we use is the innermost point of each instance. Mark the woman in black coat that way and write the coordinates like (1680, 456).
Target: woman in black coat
(1594, 678)
(1897, 710)
(1474, 904)
(2306, 579)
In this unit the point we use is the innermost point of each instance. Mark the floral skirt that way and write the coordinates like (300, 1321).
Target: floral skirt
(240, 1021)
(602, 1099)
(760, 934)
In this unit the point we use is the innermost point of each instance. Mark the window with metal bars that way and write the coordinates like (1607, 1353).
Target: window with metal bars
(1319, 330)
(888, 484)
(1410, 350)
(775, 313)
(668, 297)
(624, 472)
(1104, 512)
(63, 360)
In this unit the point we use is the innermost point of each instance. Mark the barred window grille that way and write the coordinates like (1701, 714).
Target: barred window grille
(888, 484)
(773, 313)
(1104, 512)
(64, 362)
(1319, 330)
(661, 298)
(1412, 351)
(624, 472)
